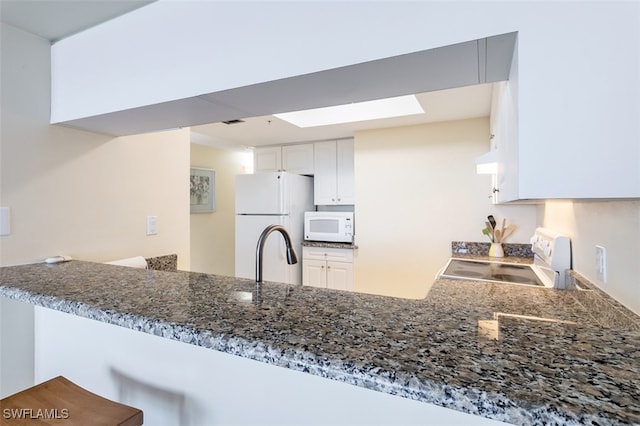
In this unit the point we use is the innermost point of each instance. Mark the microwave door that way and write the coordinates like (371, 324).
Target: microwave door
(324, 229)
(325, 226)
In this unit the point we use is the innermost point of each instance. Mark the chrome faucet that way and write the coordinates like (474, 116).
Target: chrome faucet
(291, 254)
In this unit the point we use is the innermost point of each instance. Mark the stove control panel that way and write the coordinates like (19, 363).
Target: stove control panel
(552, 250)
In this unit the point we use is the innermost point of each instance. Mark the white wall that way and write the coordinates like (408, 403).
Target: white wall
(213, 234)
(614, 225)
(78, 193)
(416, 191)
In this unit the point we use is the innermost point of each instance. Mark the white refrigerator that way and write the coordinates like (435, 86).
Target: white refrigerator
(264, 199)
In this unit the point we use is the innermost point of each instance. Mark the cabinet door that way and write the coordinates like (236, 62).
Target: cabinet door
(506, 128)
(298, 159)
(324, 182)
(314, 273)
(497, 131)
(345, 190)
(340, 275)
(268, 159)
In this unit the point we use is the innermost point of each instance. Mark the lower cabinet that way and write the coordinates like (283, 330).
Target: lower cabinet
(327, 267)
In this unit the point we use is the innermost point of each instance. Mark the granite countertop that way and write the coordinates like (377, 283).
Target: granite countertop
(505, 259)
(520, 354)
(324, 244)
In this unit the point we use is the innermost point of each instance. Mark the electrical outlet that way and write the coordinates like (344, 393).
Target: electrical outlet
(152, 225)
(5, 221)
(601, 263)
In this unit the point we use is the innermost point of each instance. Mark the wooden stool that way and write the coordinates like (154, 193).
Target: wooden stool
(59, 401)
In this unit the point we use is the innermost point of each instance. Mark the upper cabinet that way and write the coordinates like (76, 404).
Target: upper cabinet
(504, 142)
(570, 135)
(331, 163)
(334, 170)
(298, 159)
(267, 159)
(288, 158)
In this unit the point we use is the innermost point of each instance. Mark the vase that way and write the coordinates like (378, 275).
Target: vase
(496, 250)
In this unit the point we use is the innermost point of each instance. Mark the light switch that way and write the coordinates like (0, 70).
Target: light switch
(152, 225)
(5, 221)
(601, 263)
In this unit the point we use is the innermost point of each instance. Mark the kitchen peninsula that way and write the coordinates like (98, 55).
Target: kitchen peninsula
(517, 354)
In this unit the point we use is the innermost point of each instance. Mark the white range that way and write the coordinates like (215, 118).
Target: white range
(551, 261)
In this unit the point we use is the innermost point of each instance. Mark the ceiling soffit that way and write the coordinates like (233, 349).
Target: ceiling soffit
(475, 62)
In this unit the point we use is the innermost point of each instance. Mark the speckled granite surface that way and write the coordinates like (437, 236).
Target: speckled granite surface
(167, 262)
(602, 308)
(329, 245)
(519, 354)
(507, 259)
(482, 249)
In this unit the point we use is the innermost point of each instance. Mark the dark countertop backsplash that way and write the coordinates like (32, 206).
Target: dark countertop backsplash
(482, 249)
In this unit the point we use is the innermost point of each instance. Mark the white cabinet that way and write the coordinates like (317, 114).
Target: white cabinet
(327, 268)
(334, 170)
(503, 125)
(314, 272)
(267, 159)
(298, 159)
(554, 142)
(331, 163)
(340, 275)
(289, 158)
(324, 180)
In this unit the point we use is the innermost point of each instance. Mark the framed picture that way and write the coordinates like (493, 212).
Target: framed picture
(203, 190)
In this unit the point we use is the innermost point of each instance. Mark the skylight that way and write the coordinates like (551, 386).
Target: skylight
(358, 111)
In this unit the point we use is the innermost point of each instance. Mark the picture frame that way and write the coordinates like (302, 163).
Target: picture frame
(202, 190)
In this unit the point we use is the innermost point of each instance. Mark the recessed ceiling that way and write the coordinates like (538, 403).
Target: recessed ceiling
(442, 105)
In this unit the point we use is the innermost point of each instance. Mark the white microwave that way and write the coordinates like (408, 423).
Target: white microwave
(328, 226)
